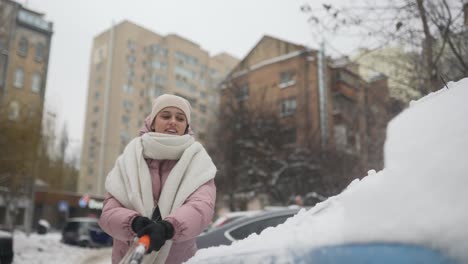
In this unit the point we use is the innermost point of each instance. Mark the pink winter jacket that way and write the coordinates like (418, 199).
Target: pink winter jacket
(189, 220)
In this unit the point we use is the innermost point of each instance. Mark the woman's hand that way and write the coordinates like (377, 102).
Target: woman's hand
(139, 223)
(158, 232)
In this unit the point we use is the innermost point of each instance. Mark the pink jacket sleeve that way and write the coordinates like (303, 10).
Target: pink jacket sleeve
(116, 220)
(195, 214)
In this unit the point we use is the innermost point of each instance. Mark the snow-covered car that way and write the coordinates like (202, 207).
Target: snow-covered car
(253, 223)
(6, 247)
(85, 232)
(412, 211)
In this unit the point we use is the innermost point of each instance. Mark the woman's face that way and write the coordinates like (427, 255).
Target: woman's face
(170, 120)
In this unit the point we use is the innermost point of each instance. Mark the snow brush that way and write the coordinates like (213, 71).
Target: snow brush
(136, 253)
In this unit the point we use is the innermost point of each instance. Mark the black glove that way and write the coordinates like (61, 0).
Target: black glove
(158, 232)
(139, 223)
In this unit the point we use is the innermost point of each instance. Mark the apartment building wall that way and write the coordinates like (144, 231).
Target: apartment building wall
(349, 112)
(25, 54)
(278, 72)
(25, 37)
(129, 67)
(280, 76)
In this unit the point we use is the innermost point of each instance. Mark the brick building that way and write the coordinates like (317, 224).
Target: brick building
(319, 104)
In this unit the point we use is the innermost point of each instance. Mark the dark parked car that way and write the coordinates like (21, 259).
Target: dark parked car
(85, 232)
(227, 218)
(6, 247)
(243, 227)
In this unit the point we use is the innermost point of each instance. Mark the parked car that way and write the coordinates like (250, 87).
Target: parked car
(6, 247)
(85, 232)
(227, 218)
(242, 227)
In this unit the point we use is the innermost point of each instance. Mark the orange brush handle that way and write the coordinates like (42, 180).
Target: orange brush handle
(145, 241)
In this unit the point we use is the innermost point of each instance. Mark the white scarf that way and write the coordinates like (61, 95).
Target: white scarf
(130, 180)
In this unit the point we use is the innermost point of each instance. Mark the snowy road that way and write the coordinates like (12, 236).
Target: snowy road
(101, 257)
(47, 249)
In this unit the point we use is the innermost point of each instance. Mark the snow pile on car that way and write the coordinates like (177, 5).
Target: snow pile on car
(419, 198)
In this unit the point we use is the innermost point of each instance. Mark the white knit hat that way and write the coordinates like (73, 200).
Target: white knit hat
(167, 100)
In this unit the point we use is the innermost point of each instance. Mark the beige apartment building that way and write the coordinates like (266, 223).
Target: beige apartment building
(129, 67)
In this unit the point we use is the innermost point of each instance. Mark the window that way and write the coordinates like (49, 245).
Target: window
(23, 47)
(14, 112)
(19, 78)
(131, 44)
(348, 79)
(202, 108)
(36, 82)
(186, 86)
(131, 59)
(127, 105)
(287, 106)
(189, 74)
(159, 65)
(243, 92)
(96, 109)
(155, 92)
(185, 58)
(290, 136)
(214, 73)
(127, 88)
(92, 152)
(97, 95)
(286, 79)
(341, 139)
(124, 138)
(40, 52)
(157, 49)
(159, 79)
(125, 120)
(257, 226)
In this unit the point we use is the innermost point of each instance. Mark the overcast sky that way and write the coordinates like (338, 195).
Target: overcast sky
(232, 26)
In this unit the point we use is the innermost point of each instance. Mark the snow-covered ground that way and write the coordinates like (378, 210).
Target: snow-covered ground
(420, 197)
(47, 249)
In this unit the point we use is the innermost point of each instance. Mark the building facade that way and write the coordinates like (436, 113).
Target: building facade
(312, 103)
(25, 37)
(129, 67)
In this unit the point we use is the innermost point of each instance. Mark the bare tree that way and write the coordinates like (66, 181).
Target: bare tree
(19, 140)
(433, 29)
(260, 155)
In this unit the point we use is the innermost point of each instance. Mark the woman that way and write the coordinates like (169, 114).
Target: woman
(162, 185)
